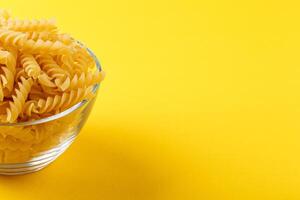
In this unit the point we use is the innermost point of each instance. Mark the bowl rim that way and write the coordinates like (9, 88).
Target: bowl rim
(67, 111)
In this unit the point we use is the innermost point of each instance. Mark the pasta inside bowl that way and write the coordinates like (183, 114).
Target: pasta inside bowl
(29, 146)
(48, 85)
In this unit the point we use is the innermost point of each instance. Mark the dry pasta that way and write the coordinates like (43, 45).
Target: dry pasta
(61, 77)
(7, 60)
(29, 25)
(12, 39)
(42, 72)
(30, 66)
(44, 47)
(18, 100)
(58, 102)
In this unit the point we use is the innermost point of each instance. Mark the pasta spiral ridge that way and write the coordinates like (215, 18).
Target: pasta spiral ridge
(8, 62)
(85, 79)
(8, 58)
(64, 38)
(30, 65)
(7, 79)
(60, 102)
(16, 106)
(45, 47)
(81, 60)
(60, 76)
(46, 81)
(12, 38)
(65, 62)
(38, 35)
(29, 108)
(29, 25)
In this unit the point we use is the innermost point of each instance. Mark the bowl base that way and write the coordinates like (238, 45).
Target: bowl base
(37, 163)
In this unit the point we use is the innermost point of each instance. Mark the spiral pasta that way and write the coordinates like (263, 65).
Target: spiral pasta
(29, 108)
(44, 47)
(60, 76)
(9, 59)
(8, 62)
(45, 80)
(85, 79)
(19, 99)
(64, 38)
(58, 102)
(31, 67)
(10, 38)
(38, 35)
(81, 61)
(66, 63)
(42, 71)
(7, 80)
(29, 25)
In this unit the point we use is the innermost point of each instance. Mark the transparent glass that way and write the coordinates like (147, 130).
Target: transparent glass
(30, 146)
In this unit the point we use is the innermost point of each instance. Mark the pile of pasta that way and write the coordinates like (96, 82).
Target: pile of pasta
(42, 71)
(20, 144)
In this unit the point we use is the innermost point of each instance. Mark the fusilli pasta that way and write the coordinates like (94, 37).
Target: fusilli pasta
(85, 79)
(19, 99)
(45, 47)
(31, 67)
(14, 39)
(52, 71)
(60, 102)
(42, 73)
(29, 25)
(60, 76)
(8, 62)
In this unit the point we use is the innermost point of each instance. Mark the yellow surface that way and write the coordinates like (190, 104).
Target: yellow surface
(201, 101)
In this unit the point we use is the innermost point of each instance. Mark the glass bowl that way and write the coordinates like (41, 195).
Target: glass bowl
(27, 147)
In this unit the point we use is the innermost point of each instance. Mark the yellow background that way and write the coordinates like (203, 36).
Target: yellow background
(201, 101)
